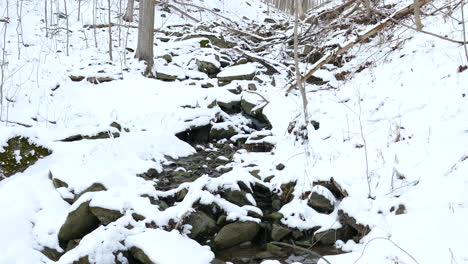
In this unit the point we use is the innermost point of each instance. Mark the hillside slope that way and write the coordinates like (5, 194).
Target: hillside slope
(119, 168)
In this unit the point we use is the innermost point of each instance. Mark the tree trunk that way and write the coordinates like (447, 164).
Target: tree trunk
(144, 49)
(417, 15)
(129, 12)
(296, 63)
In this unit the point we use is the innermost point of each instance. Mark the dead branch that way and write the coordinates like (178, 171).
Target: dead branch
(16, 123)
(203, 8)
(341, 50)
(183, 13)
(252, 57)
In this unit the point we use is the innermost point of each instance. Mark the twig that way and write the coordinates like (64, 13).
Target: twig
(371, 32)
(388, 239)
(264, 99)
(422, 31)
(203, 8)
(313, 253)
(464, 29)
(183, 13)
(454, 167)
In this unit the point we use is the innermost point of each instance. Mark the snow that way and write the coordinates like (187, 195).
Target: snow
(410, 105)
(170, 247)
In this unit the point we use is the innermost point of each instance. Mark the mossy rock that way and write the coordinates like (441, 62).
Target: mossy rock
(105, 216)
(19, 154)
(79, 223)
(279, 232)
(215, 40)
(52, 253)
(140, 255)
(234, 234)
(236, 197)
(202, 226)
(95, 187)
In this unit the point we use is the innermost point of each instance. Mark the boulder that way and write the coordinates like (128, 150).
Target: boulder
(79, 223)
(18, 154)
(202, 226)
(236, 197)
(222, 130)
(170, 73)
(95, 187)
(238, 72)
(140, 255)
(279, 232)
(105, 216)
(322, 200)
(216, 40)
(254, 108)
(234, 234)
(209, 65)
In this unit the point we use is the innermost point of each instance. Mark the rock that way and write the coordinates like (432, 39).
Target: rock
(269, 20)
(79, 223)
(253, 108)
(230, 107)
(234, 234)
(216, 40)
(238, 72)
(236, 197)
(273, 248)
(278, 232)
(280, 166)
(169, 73)
(167, 58)
(264, 255)
(329, 237)
(105, 216)
(202, 226)
(221, 220)
(252, 87)
(100, 135)
(322, 200)
(207, 85)
(116, 126)
(276, 216)
(209, 65)
(276, 204)
(18, 154)
(222, 130)
(140, 255)
(334, 187)
(95, 187)
(360, 230)
(51, 253)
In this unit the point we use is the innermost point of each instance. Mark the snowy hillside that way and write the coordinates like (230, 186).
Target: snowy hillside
(210, 160)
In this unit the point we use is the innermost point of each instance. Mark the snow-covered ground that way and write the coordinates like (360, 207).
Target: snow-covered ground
(398, 128)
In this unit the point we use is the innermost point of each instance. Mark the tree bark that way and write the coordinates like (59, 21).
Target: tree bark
(144, 49)
(128, 17)
(417, 15)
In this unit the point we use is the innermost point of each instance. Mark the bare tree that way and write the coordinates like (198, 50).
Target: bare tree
(417, 15)
(144, 49)
(296, 63)
(129, 12)
(110, 29)
(68, 31)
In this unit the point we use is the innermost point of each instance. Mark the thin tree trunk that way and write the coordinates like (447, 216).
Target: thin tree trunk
(417, 15)
(45, 19)
(68, 32)
(79, 9)
(296, 63)
(110, 29)
(144, 49)
(129, 12)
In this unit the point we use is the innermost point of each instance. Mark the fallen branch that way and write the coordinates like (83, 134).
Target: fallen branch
(91, 26)
(271, 68)
(183, 13)
(340, 51)
(203, 8)
(313, 253)
(16, 123)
